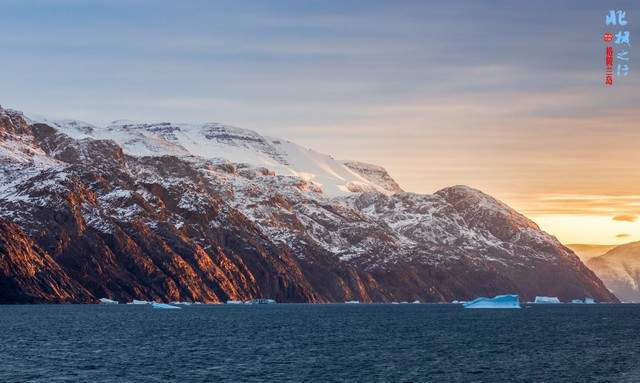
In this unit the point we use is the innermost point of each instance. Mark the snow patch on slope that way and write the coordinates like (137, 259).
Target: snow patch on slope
(374, 173)
(218, 141)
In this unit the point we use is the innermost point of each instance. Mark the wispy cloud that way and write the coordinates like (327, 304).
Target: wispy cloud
(626, 218)
(622, 208)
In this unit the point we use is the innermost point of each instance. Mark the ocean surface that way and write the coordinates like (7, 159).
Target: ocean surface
(319, 343)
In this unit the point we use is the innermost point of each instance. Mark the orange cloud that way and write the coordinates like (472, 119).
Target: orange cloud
(625, 218)
(622, 236)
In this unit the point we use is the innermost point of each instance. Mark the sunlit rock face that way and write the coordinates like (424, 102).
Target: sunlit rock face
(211, 213)
(28, 274)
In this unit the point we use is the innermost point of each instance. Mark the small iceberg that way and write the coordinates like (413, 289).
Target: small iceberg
(547, 300)
(352, 302)
(260, 301)
(587, 301)
(181, 303)
(497, 302)
(137, 302)
(106, 301)
(231, 302)
(163, 306)
(416, 302)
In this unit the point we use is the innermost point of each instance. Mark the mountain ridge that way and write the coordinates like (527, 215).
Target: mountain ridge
(587, 251)
(619, 269)
(239, 146)
(139, 217)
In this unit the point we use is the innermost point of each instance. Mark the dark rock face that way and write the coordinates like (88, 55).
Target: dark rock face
(89, 221)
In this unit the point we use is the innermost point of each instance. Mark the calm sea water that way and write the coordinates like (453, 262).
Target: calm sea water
(323, 343)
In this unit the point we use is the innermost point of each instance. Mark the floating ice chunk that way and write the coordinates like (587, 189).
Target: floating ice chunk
(352, 302)
(260, 301)
(137, 302)
(498, 302)
(106, 301)
(231, 302)
(163, 306)
(588, 301)
(416, 302)
(546, 300)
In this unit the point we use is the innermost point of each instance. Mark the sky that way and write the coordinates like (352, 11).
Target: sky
(503, 96)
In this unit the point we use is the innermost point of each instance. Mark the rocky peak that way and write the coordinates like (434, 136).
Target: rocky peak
(483, 211)
(374, 173)
(12, 122)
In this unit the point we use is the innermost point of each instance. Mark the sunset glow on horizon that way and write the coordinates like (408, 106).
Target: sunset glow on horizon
(586, 219)
(592, 230)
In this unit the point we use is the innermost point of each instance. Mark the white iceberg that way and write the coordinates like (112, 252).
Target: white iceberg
(163, 306)
(588, 301)
(416, 302)
(137, 302)
(352, 302)
(498, 302)
(547, 300)
(106, 301)
(231, 302)
(260, 301)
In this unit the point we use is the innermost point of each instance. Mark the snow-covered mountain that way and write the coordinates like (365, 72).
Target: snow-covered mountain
(619, 269)
(586, 251)
(235, 145)
(209, 212)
